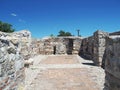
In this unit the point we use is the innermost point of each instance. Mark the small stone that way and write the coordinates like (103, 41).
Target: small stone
(11, 50)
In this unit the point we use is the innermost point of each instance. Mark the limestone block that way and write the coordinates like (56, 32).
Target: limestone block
(14, 41)
(2, 57)
(11, 50)
(60, 49)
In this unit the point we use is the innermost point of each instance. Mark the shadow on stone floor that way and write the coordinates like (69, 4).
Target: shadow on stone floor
(91, 64)
(85, 57)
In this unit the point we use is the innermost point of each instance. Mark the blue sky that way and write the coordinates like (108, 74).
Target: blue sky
(45, 17)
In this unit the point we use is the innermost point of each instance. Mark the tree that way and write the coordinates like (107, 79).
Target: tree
(52, 36)
(63, 33)
(6, 27)
(68, 34)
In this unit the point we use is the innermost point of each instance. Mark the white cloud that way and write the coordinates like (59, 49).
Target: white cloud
(20, 20)
(13, 14)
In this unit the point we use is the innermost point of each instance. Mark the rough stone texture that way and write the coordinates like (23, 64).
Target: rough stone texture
(93, 47)
(112, 63)
(115, 33)
(43, 47)
(11, 60)
(24, 38)
(87, 47)
(21, 39)
(11, 67)
(59, 45)
(99, 46)
(76, 46)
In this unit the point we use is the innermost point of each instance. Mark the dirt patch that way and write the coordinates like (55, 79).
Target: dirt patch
(68, 59)
(65, 72)
(65, 79)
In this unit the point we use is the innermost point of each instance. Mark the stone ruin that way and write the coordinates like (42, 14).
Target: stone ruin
(12, 73)
(59, 45)
(111, 63)
(16, 48)
(93, 47)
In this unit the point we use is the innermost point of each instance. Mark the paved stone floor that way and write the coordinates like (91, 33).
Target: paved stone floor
(65, 72)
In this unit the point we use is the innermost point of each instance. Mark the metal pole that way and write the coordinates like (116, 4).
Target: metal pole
(78, 31)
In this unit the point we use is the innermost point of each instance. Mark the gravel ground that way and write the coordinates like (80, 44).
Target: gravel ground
(46, 70)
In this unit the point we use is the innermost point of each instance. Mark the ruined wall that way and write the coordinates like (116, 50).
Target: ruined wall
(47, 46)
(11, 62)
(59, 45)
(99, 46)
(114, 33)
(76, 45)
(42, 47)
(24, 38)
(87, 47)
(112, 63)
(17, 47)
(93, 47)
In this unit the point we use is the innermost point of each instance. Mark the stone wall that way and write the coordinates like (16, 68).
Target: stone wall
(93, 47)
(76, 46)
(114, 33)
(59, 45)
(99, 46)
(111, 63)
(11, 62)
(87, 47)
(24, 38)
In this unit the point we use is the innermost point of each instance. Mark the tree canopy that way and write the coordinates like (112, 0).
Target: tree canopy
(63, 33)
(6, 27)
